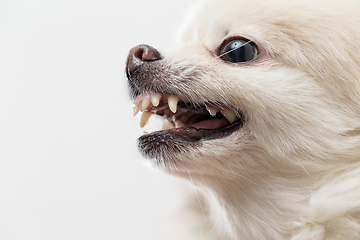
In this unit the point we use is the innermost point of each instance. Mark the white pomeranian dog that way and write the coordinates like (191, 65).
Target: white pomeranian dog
(261, 108)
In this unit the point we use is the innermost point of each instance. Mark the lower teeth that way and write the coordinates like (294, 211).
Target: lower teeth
(179, 124)
(167, 125)
(144, 118)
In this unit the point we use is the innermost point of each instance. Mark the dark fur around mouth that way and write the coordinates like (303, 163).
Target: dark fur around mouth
(158, 77)
(179, 140)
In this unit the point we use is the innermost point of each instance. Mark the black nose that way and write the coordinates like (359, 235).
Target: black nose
(139, 55)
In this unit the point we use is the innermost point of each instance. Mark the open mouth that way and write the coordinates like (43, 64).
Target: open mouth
(187, 121)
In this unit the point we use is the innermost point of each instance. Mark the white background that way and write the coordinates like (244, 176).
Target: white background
(69, 167)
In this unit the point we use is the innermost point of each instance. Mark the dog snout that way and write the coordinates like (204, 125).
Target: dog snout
(139, 55)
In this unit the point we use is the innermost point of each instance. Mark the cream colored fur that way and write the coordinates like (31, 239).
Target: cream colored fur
(293, 170)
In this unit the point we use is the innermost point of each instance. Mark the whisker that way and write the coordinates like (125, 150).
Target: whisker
(253, 215)
(197, 196)
(303, 168)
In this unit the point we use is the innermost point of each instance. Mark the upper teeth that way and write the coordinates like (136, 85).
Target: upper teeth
(155, 99)
(211, 110)
(143, 103)
(173, 102)
(229, 115)
(136, 110)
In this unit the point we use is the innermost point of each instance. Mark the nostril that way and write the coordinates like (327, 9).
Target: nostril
(140, 54)
(145, 53)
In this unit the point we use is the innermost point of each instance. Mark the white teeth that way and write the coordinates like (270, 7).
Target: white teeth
(229, 115)
(167, 125)
(136, 110)
(211, 110)
(155, 99)
(145, 103)
(179, 124)
(172, 102)
(144, 118)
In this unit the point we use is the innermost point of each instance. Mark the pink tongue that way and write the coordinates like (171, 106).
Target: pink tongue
(211, 124)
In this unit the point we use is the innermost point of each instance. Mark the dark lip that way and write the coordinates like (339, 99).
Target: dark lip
(161, 143)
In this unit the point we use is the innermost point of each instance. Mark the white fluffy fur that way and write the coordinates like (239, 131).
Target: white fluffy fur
(293, 170)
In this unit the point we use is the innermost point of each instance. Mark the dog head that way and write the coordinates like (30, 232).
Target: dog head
(253, 88)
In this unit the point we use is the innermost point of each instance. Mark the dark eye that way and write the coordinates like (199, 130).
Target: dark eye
(238, 51)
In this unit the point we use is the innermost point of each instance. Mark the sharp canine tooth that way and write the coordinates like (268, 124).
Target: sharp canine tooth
(211, 110)
(229, 115)
(144, 118)
(145, 104)
(172, 102)
(136, 110)
(167, 124)
(155, 99)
